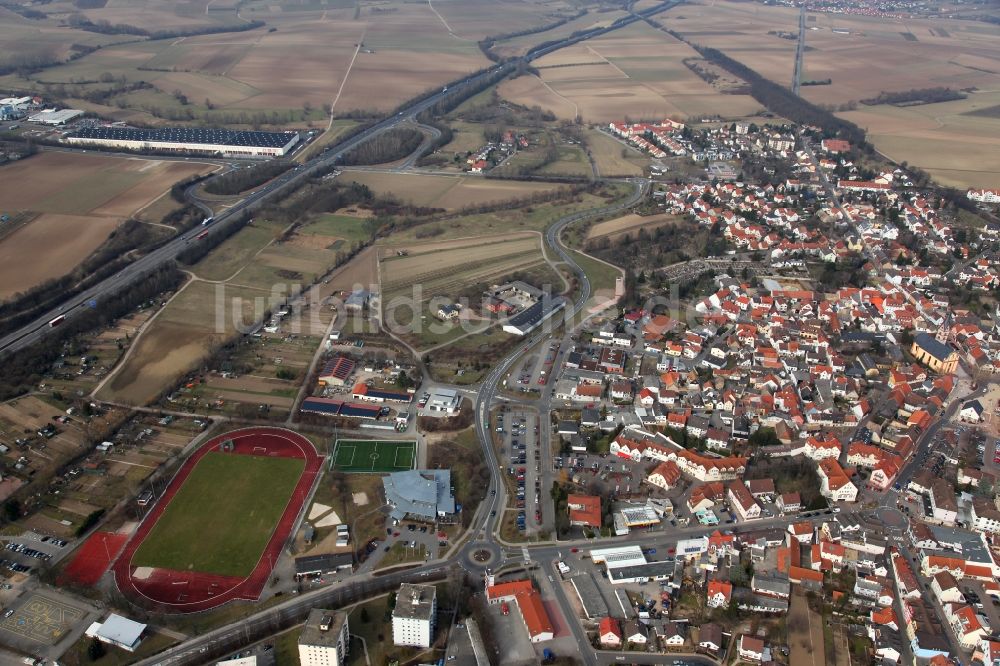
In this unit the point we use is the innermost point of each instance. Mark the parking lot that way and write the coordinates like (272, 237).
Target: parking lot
(604, 472)
(519, 429)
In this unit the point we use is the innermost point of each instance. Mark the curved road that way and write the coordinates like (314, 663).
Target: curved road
(481, 531)
(39, 327)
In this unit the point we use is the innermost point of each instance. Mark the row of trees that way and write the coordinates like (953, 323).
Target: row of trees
(389, 146)
(916, 96)
(777, 98)
(241, 180)
(131, 236)
(81, 22)
(486, 45)
(23, 371)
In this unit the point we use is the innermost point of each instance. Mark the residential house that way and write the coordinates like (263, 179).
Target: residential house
(584, 510)
(742, 501)
(751, 649)
(609, 633)
(718, 593)
(834, 482)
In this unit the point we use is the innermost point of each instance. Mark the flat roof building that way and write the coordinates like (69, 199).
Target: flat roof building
(54, 117)
(118, 631)
(325, 639)
(315, 565)
(530, 318)
(415, 615)
(446, 401)
(187, 140)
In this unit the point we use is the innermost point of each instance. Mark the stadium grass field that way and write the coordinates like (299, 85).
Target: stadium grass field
(221, 519)
(362, 455)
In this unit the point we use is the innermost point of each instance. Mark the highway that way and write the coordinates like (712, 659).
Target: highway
(35, 330)
(481, 534)
(39, 327)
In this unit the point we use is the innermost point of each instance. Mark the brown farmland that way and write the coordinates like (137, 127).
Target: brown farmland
(81, 200)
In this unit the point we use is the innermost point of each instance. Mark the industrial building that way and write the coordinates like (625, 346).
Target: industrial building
(325, 639)
(235, 143)
(532, 317)
(55, 117)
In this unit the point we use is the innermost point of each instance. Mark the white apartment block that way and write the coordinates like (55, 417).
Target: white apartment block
(414, 617)
(325, 639)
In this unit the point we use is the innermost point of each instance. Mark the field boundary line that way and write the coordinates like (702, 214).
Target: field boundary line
(347, 74)
(445, 24)
(576, 107)
(605, 59)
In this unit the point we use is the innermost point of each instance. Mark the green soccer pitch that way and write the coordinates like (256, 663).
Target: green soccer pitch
(363, 455)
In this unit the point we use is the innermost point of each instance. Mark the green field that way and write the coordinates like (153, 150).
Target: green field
(350, 228)
(222, 517)
(361, 455)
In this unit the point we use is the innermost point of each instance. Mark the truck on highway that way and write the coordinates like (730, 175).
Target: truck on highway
(207, 221)
(58, 320)
(203, 234)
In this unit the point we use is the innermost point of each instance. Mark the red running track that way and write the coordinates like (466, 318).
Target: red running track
(94, 558)
(192, 591)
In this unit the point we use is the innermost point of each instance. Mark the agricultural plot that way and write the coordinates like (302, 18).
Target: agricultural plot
(200, 317)
(280, 75)
(337, 231)
(408, 50)
(438, 273)
(518, 46)
(614, 158)
(77, 201)
(360, 455)
(471, 20)
(637, 71)
(237, 283)
(536, 218)
(629, 224)
(572, 161)
(957, 142)
(152, 15)
(448, 192)
(26, 40)
(271, 368)
(448, 265)
(741, 31)
(863, 56)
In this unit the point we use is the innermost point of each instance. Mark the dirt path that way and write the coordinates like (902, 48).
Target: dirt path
(347, 74)
(145, 326)
(576, 107)
(445, 23)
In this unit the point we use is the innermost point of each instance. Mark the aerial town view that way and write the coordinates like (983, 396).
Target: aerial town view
(500, 332)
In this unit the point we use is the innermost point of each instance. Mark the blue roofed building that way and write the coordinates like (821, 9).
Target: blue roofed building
(420, 494)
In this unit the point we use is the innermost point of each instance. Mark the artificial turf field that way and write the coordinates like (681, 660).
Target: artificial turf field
(362, 455)
(221, 519)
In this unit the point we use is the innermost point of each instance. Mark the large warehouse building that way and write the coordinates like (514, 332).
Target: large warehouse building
(188, 140)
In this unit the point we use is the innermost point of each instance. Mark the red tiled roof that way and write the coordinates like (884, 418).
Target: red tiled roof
(590, 512)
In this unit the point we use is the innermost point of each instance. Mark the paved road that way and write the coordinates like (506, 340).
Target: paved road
(39, 327)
